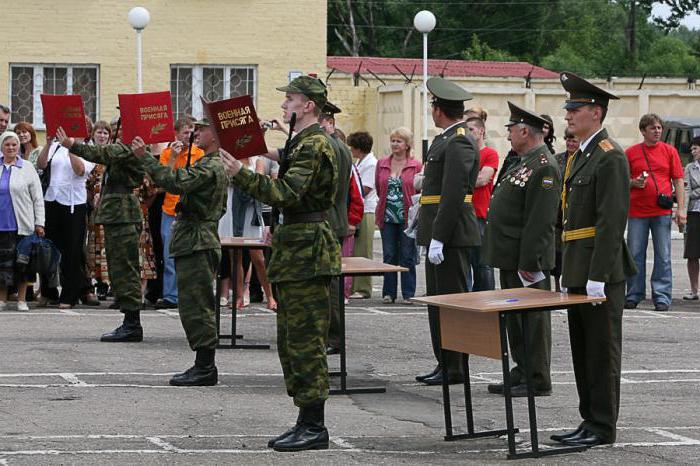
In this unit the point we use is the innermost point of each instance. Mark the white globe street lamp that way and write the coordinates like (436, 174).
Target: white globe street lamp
(139, 18)
(424, 22)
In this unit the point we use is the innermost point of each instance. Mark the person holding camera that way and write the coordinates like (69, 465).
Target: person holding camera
(656, 171)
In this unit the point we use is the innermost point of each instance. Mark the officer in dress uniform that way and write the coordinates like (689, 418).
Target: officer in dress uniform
(447, 223)
(519, 240)
(595, 260)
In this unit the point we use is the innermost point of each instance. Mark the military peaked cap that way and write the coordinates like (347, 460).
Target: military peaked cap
(330, 109)
(581, 92)
(447, 94)
(520, 115)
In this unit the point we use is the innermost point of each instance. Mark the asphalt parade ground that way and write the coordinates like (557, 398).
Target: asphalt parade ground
(66, 398)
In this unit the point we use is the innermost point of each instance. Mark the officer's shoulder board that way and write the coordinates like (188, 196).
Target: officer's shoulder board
(544, 160)
(461, 132)
(606, 145)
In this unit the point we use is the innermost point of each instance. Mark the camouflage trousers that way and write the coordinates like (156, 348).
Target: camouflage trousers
(122, 250)
(302, 331)
(195, 274)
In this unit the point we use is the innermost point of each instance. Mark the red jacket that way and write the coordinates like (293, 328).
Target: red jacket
(356, 204)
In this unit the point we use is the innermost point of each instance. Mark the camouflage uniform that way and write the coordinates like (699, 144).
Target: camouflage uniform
(304, 257)
(120, 213)
(195, 241)
(338, 218)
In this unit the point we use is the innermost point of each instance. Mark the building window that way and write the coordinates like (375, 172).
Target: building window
(29, 81)
(213, 82)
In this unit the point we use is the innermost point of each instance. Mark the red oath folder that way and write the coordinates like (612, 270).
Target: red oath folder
(147, 115)
(236, 126)
(65, 111)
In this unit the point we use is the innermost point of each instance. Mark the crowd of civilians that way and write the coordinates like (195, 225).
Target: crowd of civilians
(381, 192)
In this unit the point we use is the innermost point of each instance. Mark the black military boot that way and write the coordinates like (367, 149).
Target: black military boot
(289, 432)
(129, 331)
(203, 373)
(310, 434)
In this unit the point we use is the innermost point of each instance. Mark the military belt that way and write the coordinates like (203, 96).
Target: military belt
(580, 233)
(305, 217)
(117, 189)
(435, 199)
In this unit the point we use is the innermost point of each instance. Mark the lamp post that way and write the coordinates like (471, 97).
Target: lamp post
(424, 22)
(139, 18)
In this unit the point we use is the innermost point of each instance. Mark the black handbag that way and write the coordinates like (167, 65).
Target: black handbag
(45, 175)
(662, 200)
(41, 259)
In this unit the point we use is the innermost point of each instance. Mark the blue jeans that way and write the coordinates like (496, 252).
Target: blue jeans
(169, 277)
(399, 249)
(482, 274)
(661, 276)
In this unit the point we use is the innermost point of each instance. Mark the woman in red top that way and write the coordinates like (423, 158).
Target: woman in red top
(394, 183)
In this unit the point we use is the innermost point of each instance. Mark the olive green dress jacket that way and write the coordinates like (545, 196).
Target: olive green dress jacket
(451, 168)
(522, 214)
(597, 193)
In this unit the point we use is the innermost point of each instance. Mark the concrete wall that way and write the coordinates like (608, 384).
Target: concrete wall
(399, 104)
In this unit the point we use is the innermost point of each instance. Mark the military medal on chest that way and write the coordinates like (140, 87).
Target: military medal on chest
(520, 177)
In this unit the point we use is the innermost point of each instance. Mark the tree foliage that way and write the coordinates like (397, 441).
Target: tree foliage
(594, 37)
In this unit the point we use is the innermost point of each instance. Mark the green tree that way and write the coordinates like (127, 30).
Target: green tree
(482, 51)
(670, 56)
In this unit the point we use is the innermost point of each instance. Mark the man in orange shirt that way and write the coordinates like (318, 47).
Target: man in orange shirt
(174, 156)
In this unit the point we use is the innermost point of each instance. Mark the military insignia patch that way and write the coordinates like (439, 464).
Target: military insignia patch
(547, 182)
(461, 132)
(605, 145)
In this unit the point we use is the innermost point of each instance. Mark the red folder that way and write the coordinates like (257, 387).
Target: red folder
(147, 115)
(236, 126)
(65, 111)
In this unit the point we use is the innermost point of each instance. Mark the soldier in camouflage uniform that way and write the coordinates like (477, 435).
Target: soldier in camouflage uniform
(519, 240)
(120, 214)
(337, 215)
(196, 248)
(305, 255)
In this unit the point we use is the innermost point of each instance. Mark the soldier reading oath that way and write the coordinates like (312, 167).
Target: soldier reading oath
(195, 246)
(120, 214)
(305, 255)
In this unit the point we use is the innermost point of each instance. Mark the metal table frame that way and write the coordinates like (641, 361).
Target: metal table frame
(511, 430)
(371, 270)
(236, 245)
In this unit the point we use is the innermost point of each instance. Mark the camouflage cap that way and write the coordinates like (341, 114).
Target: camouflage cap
(311, 87)
(203, 122)
(582, 92)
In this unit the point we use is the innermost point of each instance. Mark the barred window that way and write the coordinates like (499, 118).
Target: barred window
(29, 81)
(213, 82)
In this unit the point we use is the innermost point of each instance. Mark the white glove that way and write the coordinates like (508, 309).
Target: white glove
(595, 289)
(564, 289)
(435, 255)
